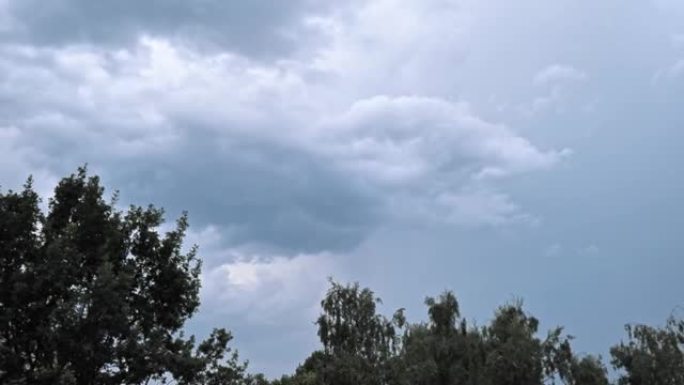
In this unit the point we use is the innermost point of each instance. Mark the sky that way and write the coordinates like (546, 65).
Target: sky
(502, 150)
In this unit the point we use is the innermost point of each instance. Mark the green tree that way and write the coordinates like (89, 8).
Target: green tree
(93, 295)
(359, 345)
(514, 355)
(651, 355)
(445, 350)
(310, 372)
(588, 370)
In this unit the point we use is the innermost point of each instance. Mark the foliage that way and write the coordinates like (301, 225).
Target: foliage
(93, 295)
(652, 356)
(358, 343)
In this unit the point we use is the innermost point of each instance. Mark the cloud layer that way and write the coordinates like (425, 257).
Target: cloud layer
(279, 148)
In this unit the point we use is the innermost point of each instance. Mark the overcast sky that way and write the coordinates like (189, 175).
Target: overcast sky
(497, 148)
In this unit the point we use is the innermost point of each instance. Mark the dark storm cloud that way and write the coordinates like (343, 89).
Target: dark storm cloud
(257, 192)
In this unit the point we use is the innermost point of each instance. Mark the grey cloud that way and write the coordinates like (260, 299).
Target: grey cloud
(258, 192)
(281, 159)
(261, 188)
(261, 28)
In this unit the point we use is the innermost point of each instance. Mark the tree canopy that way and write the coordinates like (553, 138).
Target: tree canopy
(93, 294)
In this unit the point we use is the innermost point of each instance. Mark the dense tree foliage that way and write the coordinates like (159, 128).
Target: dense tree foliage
(358, 343)
(93, 295)
(90, 294)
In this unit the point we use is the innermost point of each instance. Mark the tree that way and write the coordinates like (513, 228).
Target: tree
(359, 345)
(588, 370)
(310, 372)
(444, 351)
(515, 355)
(363, 347)
(653, 356)
(93, 295)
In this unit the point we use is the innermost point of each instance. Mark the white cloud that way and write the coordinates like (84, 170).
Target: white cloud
(390, 46)
(590, 250)
(267, 290)
(557, 73)
(557, 81)
(408, 138)
(482, 208)
(556, 250)
(672, 72)
(553, 251)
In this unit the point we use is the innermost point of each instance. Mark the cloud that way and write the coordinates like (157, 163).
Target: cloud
(401, 57)
(268, 290)
(672, 72)
(557, 73)
(557, 80)
(18, 162)
(556, 250)
(404, 139)
(553, 251)
(304, 154)
(273, 26)
(590, 250)
(161, 118)
(481, 208)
